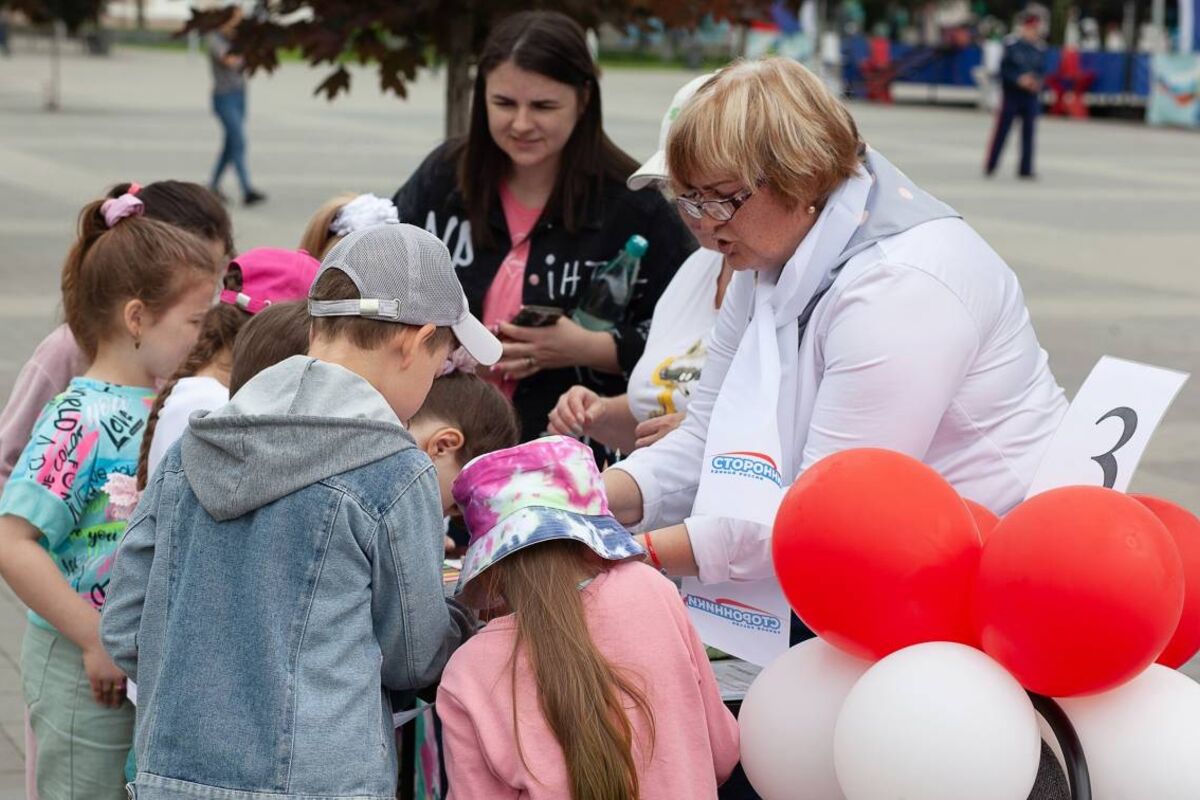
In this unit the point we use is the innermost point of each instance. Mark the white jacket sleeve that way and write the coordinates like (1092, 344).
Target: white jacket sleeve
(895, 354)
(668, 472)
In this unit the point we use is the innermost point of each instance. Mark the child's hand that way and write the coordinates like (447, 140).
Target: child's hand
(108, 682)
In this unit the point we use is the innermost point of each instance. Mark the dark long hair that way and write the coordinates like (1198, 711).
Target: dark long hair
(550, 44)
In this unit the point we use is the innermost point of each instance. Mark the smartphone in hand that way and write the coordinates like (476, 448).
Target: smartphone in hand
(537, 316)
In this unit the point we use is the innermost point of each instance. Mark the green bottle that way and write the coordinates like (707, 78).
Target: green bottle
(611, 288)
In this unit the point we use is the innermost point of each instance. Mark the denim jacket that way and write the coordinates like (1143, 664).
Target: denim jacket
(281, 574)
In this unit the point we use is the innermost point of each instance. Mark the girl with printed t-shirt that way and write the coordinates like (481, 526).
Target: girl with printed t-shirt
(532, 201)
(135, 293)
(58, 358)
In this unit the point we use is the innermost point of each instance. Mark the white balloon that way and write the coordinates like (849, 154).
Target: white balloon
(937, 721)
(787, 722)
(1141, 739)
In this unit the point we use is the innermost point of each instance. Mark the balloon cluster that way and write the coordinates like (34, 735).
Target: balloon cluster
(934, 617)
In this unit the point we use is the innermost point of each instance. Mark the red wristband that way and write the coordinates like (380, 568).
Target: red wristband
(650, 551)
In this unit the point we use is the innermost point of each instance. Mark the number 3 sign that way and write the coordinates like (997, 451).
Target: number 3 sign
(1106, 429)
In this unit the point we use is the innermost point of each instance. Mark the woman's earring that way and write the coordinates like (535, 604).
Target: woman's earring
(137, 343)
(812, 210)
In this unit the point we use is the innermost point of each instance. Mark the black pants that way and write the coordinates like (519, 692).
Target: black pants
(1017, 103)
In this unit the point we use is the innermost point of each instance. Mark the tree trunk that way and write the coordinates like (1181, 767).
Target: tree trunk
(458, 78)
(141, 15)
(53, 90)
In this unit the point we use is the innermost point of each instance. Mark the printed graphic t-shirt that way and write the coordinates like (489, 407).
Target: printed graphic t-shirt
(677, 346)
(74, 481)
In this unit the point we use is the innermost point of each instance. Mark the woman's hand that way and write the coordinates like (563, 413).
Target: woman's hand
(577, 410)
(108, 682)
(527, 351)
(655, 428)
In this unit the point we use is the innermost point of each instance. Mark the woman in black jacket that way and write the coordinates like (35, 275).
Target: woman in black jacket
(531, 202)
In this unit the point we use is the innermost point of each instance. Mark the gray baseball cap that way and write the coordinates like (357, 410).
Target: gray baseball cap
(403, 274)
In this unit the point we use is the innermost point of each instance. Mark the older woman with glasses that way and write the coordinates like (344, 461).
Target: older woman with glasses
(863, 312)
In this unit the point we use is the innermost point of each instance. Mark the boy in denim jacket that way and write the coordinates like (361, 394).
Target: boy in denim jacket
(283, 570)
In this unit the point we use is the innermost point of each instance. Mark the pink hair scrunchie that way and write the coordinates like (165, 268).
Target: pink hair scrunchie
(459, 361)
(127, 205)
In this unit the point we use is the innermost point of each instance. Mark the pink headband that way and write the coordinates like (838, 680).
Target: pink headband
(127, 205)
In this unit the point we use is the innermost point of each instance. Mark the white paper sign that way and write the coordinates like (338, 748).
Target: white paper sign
(747, 619)
(1108, 426)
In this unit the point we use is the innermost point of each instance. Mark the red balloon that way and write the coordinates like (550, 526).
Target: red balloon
(876, 552)
(1184, 528)
(985, 520)
(1079, 590)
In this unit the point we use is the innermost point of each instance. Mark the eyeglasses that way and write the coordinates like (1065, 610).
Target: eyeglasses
(721, 209)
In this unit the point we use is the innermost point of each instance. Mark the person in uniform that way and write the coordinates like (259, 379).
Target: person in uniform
(1021, 74)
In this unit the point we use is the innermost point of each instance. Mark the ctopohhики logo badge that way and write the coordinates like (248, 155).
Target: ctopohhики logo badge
(739, 614)
(748, 465)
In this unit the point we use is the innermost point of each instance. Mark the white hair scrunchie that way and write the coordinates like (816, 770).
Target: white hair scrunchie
(363, 211)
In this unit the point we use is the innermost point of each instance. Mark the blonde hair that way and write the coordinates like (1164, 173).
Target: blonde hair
(764, 123)
(317, 237)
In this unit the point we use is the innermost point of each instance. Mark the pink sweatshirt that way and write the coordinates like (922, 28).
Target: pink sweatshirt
(639, 623)
(45, 375)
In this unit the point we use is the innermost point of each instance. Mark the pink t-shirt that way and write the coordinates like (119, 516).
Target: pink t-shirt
(639, 624)
(45, 376)
(503, 298)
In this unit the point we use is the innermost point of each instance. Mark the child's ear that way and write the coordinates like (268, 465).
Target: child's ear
(445, 440)
(407, 340)
(135, 316)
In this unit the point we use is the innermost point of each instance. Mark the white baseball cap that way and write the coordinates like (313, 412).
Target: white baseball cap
(655, 168)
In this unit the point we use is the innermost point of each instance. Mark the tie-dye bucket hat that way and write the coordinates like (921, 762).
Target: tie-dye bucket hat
(535, 492)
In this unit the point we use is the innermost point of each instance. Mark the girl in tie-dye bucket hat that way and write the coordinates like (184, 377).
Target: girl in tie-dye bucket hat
(591, 683)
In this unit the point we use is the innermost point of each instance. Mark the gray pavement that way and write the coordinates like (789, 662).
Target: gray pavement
(1106, 243)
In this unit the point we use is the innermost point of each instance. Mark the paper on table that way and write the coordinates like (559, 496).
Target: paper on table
(734, 677)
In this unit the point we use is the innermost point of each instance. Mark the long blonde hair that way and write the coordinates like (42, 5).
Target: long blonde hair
(580, 693)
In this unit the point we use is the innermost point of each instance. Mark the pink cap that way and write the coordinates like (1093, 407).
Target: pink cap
(271, 275)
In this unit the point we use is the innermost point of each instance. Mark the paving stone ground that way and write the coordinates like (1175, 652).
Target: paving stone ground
(1106, 243)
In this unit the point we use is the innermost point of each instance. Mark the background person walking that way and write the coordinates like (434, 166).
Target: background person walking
(1021, 74)
(229, 104)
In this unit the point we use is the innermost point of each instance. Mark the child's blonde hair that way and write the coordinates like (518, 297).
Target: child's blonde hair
(318, 237)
